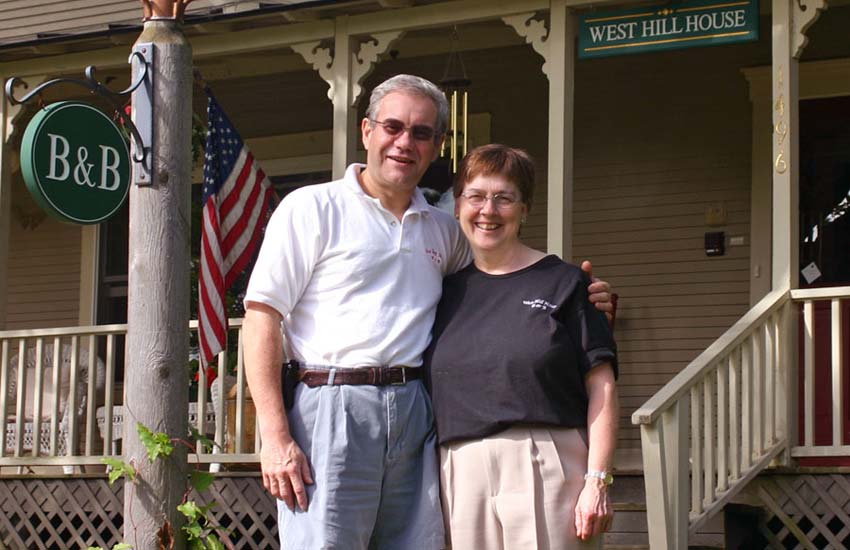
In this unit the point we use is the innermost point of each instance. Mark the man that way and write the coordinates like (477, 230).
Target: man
(353, 272)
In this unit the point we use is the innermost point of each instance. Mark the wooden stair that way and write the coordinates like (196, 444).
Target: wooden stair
(629, 531)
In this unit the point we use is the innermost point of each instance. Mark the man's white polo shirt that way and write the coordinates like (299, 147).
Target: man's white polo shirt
(356, 287)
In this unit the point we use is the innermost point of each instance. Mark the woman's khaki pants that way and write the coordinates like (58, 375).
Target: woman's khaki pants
(515, 490)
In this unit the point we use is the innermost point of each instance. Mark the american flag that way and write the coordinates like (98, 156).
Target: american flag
(235, 203)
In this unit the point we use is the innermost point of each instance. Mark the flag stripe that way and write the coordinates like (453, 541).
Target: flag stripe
(235, 204)
(245, 258)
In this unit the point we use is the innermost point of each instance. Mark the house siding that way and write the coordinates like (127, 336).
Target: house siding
(44, 276)
(660, 138)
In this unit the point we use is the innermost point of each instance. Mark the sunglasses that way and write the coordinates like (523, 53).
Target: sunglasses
(393, 127)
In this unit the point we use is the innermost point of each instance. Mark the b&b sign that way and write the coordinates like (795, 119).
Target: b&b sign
(672, 26)
(75, 163)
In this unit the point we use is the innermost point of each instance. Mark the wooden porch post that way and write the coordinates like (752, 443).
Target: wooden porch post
(158, 291)
(5, 200)
(786, 169)
(345, 134)
(791, 19)
(561, 72)
(665, 452)
(344, 72)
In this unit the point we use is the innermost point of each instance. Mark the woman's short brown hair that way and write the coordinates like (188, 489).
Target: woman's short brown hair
(495, 159)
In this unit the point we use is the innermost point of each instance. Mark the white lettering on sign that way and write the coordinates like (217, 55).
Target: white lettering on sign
(82, 171)
(662, 27)
(58, 158)
(614, 31)
(107, 167)
(668, 26)
(60, 168)
(714, 21)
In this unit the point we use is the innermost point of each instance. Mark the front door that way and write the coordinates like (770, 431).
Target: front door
(825, 243)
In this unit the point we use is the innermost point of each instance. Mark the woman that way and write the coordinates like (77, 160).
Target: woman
(522, 371)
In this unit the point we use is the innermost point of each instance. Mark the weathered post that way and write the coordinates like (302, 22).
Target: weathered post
(158, 299)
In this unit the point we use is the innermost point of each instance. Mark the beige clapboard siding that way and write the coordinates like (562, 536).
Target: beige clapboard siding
(23, 20)
(44, 276)
(658, 139)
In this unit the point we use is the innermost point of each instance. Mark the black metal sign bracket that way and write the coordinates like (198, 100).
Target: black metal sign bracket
(141, 132)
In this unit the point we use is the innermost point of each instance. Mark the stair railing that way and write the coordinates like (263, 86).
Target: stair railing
(717, 423)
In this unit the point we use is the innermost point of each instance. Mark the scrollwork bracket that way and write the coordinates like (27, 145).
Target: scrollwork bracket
(321, 60)
(364, 61)
(535, 33)
(804, 14)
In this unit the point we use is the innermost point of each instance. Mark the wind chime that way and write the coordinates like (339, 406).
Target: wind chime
(455, 85)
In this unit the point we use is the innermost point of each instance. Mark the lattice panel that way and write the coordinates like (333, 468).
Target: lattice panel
(246, 509)
(804, 511)
(59, 514)
(72, 514)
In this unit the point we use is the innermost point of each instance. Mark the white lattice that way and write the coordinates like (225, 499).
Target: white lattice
(68, 513)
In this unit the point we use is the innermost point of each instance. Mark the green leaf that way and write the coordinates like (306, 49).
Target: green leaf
(213, 543)
(191, 510)
(207, 443)
(201, 480)
(157, 443)
(94, 548)
(118, 468)
(122, 546)
(194, 530)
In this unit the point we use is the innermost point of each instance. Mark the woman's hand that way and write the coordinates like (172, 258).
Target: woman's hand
(594, 512)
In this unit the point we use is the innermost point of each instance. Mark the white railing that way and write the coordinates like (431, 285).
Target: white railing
(718, 423)
(836, 296)
(733, 410)
(63, 403)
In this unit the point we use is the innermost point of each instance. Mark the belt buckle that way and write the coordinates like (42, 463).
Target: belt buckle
(403, 378)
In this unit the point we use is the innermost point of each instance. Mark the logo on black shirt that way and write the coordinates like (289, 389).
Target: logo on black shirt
(539, 303)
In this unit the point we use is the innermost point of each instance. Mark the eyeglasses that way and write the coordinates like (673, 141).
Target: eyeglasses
(393, 127)
(500, 200)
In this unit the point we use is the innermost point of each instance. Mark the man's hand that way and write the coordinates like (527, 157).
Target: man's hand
(594, 513)
(600, 292)
(285, 472)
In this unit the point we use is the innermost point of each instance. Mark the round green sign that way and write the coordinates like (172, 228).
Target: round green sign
(75, 163)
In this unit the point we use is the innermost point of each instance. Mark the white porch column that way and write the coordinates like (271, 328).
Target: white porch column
(5, 199)
(786, 169)
(561, 72)
(345, 114)
(558, 51)
(344, 72)
(791, 19)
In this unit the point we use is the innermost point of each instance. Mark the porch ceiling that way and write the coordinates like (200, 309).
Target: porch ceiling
(211, 17)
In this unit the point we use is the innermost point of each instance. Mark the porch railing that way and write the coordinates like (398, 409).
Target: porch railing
(834, 378)
(733, 410)
(61, 394)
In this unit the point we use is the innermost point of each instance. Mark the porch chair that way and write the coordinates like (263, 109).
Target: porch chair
(50, 394)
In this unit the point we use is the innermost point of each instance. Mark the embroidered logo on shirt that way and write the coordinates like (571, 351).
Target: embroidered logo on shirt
(435, 255)
(539, 303)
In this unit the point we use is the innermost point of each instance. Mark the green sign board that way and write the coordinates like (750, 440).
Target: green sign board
(671, 26)
(75, 163)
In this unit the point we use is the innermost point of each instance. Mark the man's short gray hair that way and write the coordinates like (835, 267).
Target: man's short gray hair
(410, 84)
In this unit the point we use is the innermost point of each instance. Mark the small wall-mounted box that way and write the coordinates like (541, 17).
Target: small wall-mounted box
(715, 243)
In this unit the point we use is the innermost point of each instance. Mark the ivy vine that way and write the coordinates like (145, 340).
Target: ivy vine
(201, 532)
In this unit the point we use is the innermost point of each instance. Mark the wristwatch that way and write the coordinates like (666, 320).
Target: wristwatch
(605, 477)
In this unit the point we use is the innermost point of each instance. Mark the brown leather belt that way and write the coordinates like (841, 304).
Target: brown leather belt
(371, 376)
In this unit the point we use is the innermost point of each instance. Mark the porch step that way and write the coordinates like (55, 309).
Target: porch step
(629, 531)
